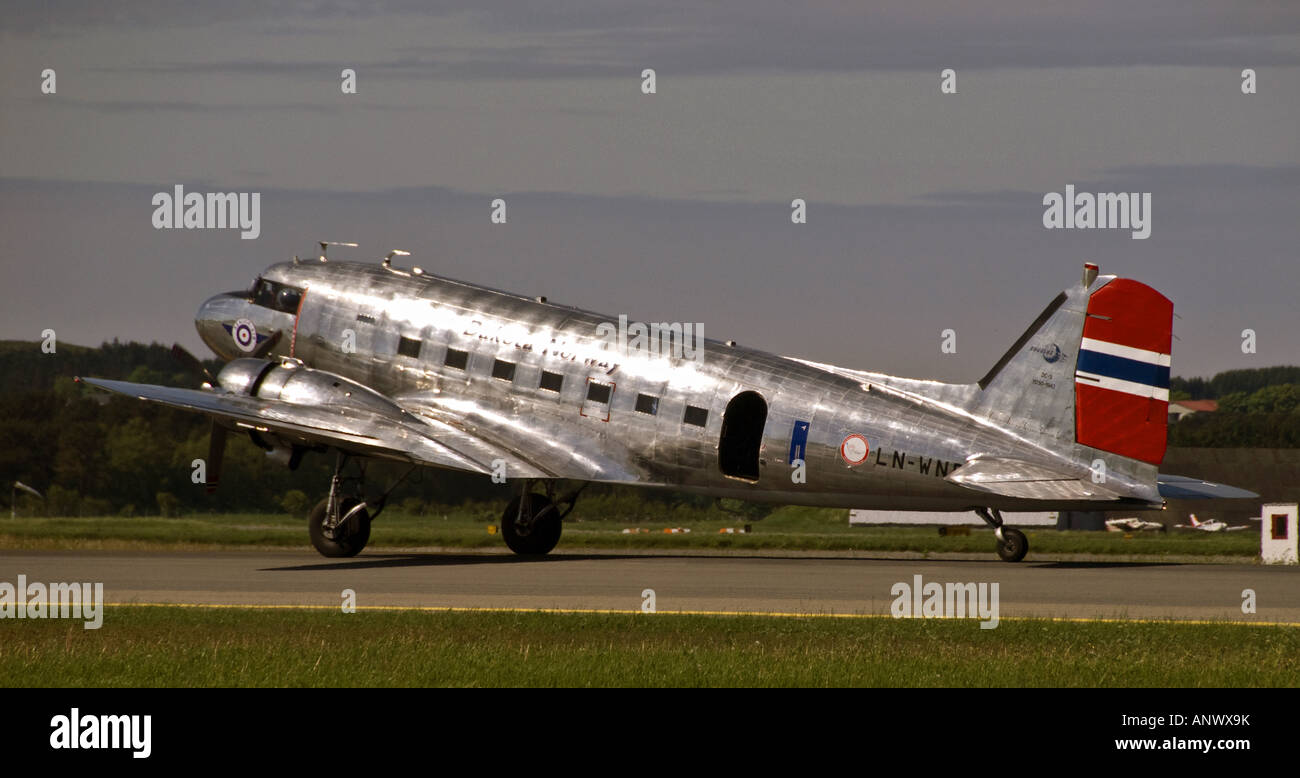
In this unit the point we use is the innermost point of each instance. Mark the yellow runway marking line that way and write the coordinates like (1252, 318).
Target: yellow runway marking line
(638, 612)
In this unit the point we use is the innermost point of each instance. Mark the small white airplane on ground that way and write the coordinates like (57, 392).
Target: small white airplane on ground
(1212, 525)
(1133, 525)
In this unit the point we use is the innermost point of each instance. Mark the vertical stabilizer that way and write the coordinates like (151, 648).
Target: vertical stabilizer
(1122, 376)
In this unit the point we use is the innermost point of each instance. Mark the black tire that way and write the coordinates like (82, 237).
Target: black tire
(1013, 546)
(538, 539)
(341, 545)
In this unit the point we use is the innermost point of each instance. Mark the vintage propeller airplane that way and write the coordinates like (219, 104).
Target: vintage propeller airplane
(374, 361)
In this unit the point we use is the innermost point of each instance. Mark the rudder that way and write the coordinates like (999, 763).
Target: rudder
(1122, 373)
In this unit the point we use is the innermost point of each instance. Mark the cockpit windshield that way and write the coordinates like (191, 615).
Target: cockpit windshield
(275, 295)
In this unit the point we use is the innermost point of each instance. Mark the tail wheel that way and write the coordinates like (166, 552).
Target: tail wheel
(535, 532)
(1013, 546)
(349, 537)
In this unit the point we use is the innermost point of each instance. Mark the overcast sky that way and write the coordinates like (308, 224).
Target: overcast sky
(924, 209)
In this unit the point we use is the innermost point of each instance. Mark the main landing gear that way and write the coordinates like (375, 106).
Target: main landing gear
(339, 525)
(1012, 543)
(531, 523)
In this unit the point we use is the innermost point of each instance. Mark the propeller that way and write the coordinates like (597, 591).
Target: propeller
(217, 433)
(192, 363)
(268, 345)
(216, 452)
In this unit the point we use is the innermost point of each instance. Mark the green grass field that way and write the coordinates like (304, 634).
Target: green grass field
(189, 647)
(787, 528)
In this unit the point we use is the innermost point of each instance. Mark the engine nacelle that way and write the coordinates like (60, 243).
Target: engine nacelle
(293, 383)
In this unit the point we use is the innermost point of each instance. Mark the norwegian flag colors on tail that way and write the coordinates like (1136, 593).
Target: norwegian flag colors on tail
(1122, 374)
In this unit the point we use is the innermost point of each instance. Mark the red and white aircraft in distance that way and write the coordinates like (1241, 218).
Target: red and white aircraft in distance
(1210, 525)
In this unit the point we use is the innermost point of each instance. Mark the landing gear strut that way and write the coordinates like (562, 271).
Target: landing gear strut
(339, 525)
(1012, 543)
(531, 523)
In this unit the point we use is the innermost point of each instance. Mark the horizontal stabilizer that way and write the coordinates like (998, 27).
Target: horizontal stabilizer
(1180, 487)
(1027, 480)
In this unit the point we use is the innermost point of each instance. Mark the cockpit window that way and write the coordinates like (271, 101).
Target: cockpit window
(276, 296)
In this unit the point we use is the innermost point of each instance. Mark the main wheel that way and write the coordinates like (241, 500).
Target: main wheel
(344, 543)
(1013, 546)
(536, 538)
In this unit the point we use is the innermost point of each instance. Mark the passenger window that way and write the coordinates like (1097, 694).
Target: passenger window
(409, 347)
(597, 393)
(457, 359)
(647, 404)
(696, 416)
(551, 382)
(503, 370)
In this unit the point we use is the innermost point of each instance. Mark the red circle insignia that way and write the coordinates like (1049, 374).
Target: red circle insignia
(854, 450)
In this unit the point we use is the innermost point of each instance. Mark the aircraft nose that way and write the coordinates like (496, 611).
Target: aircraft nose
(216, 311)
(208, 311)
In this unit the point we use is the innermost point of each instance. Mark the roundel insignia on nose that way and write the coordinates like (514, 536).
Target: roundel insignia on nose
(854, 450)
(244, 333)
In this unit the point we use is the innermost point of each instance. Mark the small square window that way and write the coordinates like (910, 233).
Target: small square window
(409, 347)
(647, 404)
(457, 359)
(696, 416)
(551, 382)
(597, 393)
(503, 370)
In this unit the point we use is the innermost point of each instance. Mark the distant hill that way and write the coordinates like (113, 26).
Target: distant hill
(1248, 381)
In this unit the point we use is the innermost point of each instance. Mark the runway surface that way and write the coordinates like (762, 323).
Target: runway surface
(613, 581)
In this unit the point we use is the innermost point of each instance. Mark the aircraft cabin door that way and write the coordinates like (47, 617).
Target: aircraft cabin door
(742, 436)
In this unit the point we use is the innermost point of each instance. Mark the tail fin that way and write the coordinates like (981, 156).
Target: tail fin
(1092, 369)
(1122, 376)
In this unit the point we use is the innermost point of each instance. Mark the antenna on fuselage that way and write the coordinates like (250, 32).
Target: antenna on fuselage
(325, 244)
(388, 260)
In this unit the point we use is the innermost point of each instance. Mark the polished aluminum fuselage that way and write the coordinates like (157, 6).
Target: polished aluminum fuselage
(352, 316)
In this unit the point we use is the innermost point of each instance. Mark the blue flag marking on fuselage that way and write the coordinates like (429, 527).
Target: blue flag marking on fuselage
(799, 441)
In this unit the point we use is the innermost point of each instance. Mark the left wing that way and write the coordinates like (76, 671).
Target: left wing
(357, 430)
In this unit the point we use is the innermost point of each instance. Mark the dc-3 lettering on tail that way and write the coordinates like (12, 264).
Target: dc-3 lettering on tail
(373, 361)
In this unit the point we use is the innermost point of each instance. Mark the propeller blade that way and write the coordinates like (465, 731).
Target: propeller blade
(192, 363)
(216, 451)
(268, 345)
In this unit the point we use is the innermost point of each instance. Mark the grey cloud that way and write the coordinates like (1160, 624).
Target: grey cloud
(592, 38)
(192, 106)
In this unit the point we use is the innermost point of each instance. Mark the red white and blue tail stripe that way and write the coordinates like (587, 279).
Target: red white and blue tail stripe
(1122, 372)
